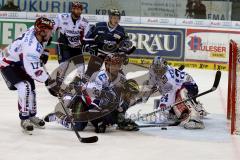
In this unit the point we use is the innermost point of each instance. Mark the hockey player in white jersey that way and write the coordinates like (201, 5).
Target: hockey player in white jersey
(110, 90)
(174, 85)
(72, 28)
(111, 78)
(22, 63)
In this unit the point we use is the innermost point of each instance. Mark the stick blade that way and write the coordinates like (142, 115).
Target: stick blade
(89, 139)
(217, 80)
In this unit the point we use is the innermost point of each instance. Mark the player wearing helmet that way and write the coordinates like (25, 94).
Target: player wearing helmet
(110, 91)
(22, 63)
(174, 85)
(72, 28)
(125, 91)
(106, 38)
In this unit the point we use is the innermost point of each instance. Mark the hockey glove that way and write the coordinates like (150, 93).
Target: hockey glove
(92, 49)
(44, 56)
(53, 87)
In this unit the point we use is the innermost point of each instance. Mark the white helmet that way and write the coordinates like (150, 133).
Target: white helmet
(159, 65)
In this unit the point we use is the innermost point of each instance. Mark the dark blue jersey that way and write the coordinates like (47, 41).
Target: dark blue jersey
(101, 35)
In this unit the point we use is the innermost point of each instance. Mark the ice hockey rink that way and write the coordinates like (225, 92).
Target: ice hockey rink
(56, 142)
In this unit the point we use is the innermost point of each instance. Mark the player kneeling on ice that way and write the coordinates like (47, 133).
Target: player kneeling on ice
(125, 90)
(22, 63)
(174, 85)
(112, 95)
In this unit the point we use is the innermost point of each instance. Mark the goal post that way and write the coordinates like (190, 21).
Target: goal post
(233, 103)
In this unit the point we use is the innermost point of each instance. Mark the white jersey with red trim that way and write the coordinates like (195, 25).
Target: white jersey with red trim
(100, 80)
(73, 32)
(25, 52)
(171, 81)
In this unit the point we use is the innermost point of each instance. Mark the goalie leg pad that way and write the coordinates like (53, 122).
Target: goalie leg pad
(186, 112)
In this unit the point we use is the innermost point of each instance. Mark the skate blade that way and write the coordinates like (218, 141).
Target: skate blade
(27, 132)
(39, 127)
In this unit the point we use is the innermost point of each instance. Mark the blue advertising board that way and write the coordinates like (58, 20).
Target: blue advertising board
(168, 43)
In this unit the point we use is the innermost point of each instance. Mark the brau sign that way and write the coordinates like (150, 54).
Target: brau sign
(11, 30)
(166, 42)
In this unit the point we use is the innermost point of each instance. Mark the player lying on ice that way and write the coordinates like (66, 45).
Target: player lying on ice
(22, 63)
(174, 85)
(110, 91)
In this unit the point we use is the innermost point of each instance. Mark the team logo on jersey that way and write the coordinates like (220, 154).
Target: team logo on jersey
(17, 49)
(116, 36)
(65, 16)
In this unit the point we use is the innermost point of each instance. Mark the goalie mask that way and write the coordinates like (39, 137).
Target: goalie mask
(113, 64)
(159, 66)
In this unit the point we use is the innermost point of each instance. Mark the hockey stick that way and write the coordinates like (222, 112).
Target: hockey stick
(92, 139)
(214, 87)
(57, 43)
(162, 125)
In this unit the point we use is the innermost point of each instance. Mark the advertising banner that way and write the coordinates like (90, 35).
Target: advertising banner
(208, 45)
(197, 9)
(166, 42)
(11, 29)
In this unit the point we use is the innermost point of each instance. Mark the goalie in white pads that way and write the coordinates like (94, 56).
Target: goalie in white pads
(174, 85)
(22, 63)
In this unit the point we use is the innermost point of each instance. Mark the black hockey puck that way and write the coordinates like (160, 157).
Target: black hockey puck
(163, 128)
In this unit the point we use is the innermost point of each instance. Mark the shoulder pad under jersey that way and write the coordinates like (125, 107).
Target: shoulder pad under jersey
(65, 16)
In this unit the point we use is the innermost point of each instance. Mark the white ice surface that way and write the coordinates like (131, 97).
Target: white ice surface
(55, 142)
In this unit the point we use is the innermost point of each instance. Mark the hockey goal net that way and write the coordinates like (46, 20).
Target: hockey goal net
(233, 106)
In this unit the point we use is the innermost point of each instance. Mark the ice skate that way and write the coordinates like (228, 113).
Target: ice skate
(37, 122)
(27, 126)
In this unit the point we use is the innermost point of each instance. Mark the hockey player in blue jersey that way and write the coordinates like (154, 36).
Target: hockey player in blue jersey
(106, 38)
